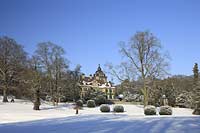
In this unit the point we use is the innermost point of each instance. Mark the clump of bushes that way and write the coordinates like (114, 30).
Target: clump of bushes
(100, 99)
(165, 110)
(184, 100)
(105, 108)
(79, 103)
(196, 111)
(91, 103)
(150, 110)
(133, 98)
(118, 108)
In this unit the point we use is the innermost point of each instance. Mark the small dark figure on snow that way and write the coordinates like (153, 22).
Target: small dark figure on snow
(76, 108)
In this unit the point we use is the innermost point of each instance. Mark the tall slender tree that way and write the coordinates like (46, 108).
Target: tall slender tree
(36, 79)
(196, 90)
(53, 63)
(196, 74)
(74, 78)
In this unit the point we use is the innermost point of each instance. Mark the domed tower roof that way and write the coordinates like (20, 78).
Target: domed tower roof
(99, 68)
(99, 76)
(99, 72)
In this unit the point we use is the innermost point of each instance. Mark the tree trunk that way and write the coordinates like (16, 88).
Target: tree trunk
(145, 90)
(37, 100)
(56, 101)
(145, 94)
(5, 99)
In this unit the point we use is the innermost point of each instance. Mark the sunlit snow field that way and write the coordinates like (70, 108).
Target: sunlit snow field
(19, 117)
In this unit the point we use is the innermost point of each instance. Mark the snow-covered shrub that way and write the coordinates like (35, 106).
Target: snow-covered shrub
(91, 103)
(62, 99)
(165, 110)
(105, 108)
(48, 98)
(120, 97)
(196, 111)
(118, 108)
(184, 100)
(150, 110)
(79, 103)
(133, 98)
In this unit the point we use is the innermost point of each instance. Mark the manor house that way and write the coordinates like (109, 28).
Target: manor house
(97, 81)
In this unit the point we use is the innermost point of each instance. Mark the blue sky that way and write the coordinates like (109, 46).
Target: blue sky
(90, 30)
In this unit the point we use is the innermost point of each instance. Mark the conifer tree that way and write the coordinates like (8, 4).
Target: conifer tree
(196, 92)
(196, 74)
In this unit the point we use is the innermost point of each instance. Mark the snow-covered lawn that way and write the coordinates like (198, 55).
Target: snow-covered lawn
(20, 117)
(23, 111)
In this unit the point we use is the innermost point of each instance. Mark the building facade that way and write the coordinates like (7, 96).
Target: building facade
(97, 82)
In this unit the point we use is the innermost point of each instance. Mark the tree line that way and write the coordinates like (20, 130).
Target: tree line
(45, 74)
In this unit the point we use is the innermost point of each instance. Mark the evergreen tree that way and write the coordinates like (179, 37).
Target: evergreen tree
(196, 91)
(196, 74)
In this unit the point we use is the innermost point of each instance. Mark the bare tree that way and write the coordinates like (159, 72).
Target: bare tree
(74, 79)
(53, 63)
(144, 56)
(122, 72)
(12, 58)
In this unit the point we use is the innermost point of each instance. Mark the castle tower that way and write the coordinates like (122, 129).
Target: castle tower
(100, 76)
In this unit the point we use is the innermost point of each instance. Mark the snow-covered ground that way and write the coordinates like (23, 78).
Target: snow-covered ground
(22, 110)
(20, 117)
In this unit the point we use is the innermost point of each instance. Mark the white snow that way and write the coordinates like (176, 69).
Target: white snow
(20, 117)
(22, 110)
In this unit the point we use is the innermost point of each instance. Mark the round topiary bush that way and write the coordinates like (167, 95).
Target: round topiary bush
(91, 103)
(118, 108)
(105, 108)
(79, 103)
(150, 110)
(165, 110)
